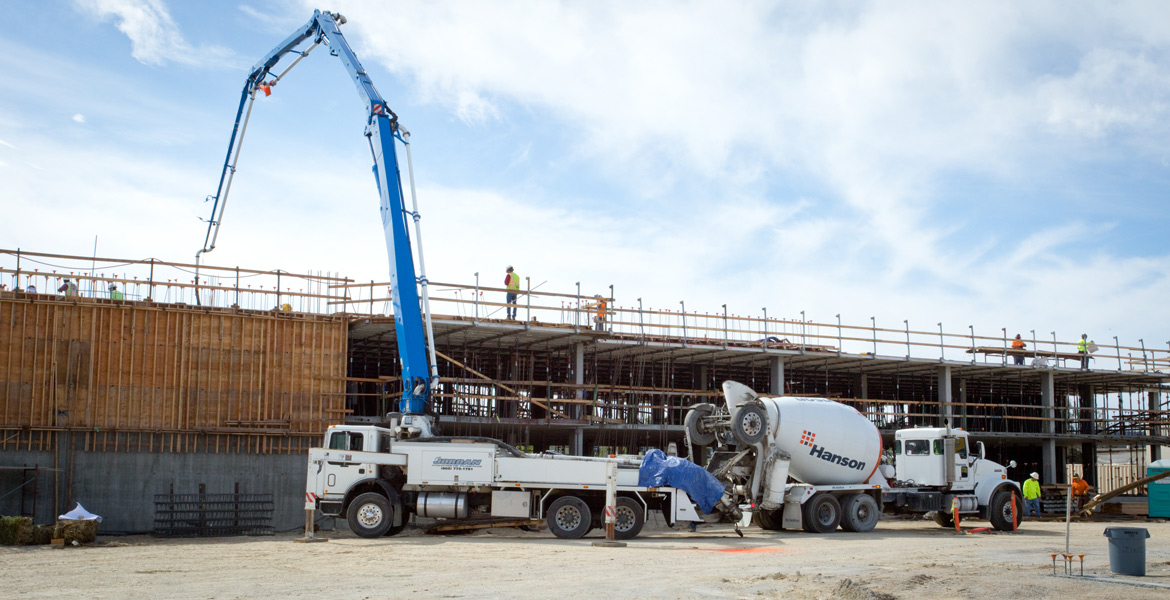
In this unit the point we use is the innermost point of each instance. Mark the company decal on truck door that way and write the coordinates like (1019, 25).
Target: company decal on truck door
(807, 437)
(457, 464)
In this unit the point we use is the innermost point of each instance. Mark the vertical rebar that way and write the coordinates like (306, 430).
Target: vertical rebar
(1004, 330)
(724, 326)
(803, 343)
(942, 349)
(1117, 346)
(765, 309)
(906, 322)
(873, 326)
(839, 337)
(476, 299)
(641, 323)
(972, 328)
(1145, 360)
(1034, 349)
(684, 321)
(577, 311)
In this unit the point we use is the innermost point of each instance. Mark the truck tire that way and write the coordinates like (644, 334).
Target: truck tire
(945, 519)
(370, 515)
(859, 512)
(821, 514)
(693, 424)
(1000, 510)
(771, 520)
(749, 424)
(569, 518)
(629, 518)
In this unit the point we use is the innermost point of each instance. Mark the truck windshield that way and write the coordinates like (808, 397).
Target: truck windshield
(917, 447)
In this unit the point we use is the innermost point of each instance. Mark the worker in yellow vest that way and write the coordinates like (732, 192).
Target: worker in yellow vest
(1032, 495)
(512, 284)
(1083, 349)
(114, 293)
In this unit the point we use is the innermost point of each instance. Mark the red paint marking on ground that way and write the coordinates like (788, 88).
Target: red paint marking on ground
(751, 550)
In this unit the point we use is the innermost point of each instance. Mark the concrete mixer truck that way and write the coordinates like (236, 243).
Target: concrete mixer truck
(816, 464)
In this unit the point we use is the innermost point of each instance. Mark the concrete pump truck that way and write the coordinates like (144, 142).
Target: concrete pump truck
(377, 476)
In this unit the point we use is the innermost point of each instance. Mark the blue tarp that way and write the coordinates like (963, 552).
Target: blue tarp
(658, 470)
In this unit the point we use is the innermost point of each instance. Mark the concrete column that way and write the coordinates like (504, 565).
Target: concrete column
(1048, 400)
(776, 375)
(945, 395)
(577, 444)
(704, 375)
(864, 385)
(579, 379)
(963, 403)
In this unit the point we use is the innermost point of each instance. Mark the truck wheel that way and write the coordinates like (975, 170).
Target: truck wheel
(1000, 511)
(750, 424)
(821, 514)
(699, 435)
(946, 519)
(859, 513)
(771, 520)
(569, 517)
(370, 515)
(629, 519)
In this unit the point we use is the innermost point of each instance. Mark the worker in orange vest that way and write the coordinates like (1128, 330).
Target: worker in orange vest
(1018, 344)
(1080, 491)
(599, 304)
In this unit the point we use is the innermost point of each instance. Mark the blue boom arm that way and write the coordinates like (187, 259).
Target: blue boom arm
(381, 130)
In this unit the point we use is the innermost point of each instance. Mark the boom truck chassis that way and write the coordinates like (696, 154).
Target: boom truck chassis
(376, 479)
(816, 464)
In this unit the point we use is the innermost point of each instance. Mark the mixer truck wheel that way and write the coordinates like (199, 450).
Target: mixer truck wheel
(699, 435)
(569, 517)
(628, 519)
(945, 519)
(1000, 511)
(370, 515)
(770, 520)
(749, 424)
(859, 513)
(821, 514)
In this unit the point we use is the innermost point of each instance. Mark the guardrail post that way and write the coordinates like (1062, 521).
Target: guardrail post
(684, 321)
(641, 323)
(765, 309)
(803, 342)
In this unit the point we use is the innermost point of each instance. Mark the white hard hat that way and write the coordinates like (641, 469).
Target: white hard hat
(1035, 476)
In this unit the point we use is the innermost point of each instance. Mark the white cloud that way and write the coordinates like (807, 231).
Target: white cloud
(78, 118)
(155, 38)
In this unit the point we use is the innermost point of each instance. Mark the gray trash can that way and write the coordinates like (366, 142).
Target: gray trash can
(1127, 550)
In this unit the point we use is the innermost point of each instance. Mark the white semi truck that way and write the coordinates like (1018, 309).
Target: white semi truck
(376, 477)
(815, 464)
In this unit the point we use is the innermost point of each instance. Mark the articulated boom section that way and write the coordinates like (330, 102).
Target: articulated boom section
(418, 374)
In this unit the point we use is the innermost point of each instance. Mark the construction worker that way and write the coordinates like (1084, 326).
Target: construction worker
(1083, 349)
(1032, 495)
(114, 293)
(599, 304)
(512, 284)
(1080, 491)
(1018, 344)
(68, 288)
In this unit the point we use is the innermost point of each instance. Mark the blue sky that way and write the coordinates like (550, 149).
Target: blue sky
(999, 164)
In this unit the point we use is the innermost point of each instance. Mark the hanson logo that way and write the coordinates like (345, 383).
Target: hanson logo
(457, 462)
(837, 459)
(807, 437)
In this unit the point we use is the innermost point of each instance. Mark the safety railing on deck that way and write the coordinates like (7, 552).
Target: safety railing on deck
(328, 293)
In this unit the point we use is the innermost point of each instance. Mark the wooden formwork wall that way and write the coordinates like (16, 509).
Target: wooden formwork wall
(167, 378)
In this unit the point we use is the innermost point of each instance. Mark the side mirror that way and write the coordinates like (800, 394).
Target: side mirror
(1012, 464)
(982, 451)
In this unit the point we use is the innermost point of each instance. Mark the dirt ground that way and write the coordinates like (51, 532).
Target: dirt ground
(900, 559)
